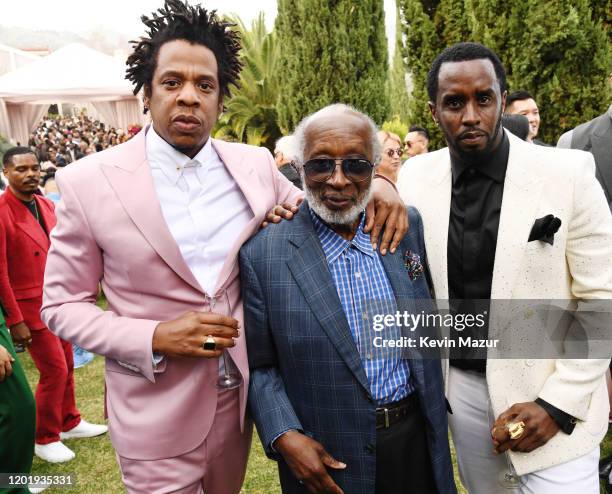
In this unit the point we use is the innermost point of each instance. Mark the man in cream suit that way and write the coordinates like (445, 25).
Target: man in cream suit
(479, 199)
(159, 221)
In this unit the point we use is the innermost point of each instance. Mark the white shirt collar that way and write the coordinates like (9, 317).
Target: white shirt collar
(171, 161)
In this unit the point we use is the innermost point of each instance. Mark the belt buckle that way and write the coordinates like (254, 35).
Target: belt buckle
(386, 417)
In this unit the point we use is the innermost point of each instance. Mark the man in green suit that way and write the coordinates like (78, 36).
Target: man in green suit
(17, 413)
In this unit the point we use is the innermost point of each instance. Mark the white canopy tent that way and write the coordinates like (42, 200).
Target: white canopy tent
(13, 58)
(72, 74)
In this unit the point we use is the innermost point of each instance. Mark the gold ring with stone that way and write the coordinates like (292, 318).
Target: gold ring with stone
(515, 429)
(209, 343)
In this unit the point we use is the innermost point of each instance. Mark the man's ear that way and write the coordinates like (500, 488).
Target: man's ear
(503, 101)
(220, 106)
(432, 109)
(146, 96)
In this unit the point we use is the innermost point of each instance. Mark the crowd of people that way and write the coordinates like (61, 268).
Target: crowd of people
(211, 314)
(61, 140)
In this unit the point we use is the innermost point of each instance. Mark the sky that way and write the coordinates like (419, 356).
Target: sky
(123, 16)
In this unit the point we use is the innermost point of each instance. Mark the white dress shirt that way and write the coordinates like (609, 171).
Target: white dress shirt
(204, 208)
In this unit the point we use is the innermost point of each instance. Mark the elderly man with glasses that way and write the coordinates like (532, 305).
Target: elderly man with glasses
(340, 411)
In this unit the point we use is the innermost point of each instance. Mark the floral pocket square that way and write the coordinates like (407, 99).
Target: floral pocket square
(544, 229)
(413, 264)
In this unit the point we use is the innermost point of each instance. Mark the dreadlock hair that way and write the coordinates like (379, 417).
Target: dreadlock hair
(179, 20)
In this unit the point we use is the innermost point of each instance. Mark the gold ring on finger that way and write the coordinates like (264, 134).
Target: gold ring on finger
(209, 343)
(516, 429)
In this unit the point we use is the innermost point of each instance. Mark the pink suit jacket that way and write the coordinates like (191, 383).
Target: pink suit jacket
(110, 230)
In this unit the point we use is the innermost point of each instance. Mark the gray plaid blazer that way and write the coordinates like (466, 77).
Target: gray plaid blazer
(306, 372)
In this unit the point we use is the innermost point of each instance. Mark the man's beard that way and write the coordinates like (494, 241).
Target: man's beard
(478, 155)
(331, 217)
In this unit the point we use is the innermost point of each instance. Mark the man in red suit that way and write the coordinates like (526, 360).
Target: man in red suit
(25, 222)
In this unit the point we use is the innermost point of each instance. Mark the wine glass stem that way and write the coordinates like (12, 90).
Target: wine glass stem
(225, 368)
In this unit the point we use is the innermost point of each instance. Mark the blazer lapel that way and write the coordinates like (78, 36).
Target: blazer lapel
(406, 301)
(131, 179)
(398, 275)
(25, 221)
(242, 172)
(47, 212)
(311, 273)
(521, 199)
(436, 220)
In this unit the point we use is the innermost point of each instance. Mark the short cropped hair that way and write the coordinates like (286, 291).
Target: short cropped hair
(463, 52)
(7, 159)
(422, 131)
(519, 95)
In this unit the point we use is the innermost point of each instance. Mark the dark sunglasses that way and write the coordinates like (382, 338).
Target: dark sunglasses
(391, 152)
(322, 169)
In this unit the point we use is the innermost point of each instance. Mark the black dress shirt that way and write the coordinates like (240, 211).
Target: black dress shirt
(477, 191)
(33, 208)
(476, 200)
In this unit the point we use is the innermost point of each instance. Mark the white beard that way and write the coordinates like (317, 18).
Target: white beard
(332, 217)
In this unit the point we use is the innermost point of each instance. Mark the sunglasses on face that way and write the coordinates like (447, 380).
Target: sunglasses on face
(322, 169)
(392, 152)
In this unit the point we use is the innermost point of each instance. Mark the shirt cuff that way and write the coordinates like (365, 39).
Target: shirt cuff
(276, 437)
(565, 421)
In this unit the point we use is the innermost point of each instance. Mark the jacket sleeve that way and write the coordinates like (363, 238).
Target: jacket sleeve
(73, 272)
(268, 401)
(13, 313)
(588, 253)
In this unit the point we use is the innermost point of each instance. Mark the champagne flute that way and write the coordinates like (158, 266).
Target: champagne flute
(230, 378)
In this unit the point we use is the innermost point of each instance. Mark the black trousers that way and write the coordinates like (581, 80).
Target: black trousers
(403, 463)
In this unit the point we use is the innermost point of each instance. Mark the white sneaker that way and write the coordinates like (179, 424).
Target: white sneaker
(84, 429)
(54, 452)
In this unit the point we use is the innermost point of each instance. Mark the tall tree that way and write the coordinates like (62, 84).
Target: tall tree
(422, 44)
(398, 89)
(250, 114)
(602, 11)
(563, 58)
(331, 52)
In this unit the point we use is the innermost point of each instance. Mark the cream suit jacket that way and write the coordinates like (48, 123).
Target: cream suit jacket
(539, 181)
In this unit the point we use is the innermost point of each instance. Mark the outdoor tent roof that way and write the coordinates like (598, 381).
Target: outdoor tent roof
(74, 72)
(13, 58)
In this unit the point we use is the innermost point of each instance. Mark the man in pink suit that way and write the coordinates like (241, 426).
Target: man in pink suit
(158, 222)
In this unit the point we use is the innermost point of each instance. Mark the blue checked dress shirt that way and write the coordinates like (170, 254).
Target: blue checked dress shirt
(364, 290)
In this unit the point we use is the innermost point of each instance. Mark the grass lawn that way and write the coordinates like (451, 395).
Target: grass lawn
(95, 466)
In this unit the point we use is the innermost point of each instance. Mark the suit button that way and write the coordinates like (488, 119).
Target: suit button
(36, 253)
(370, 448)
